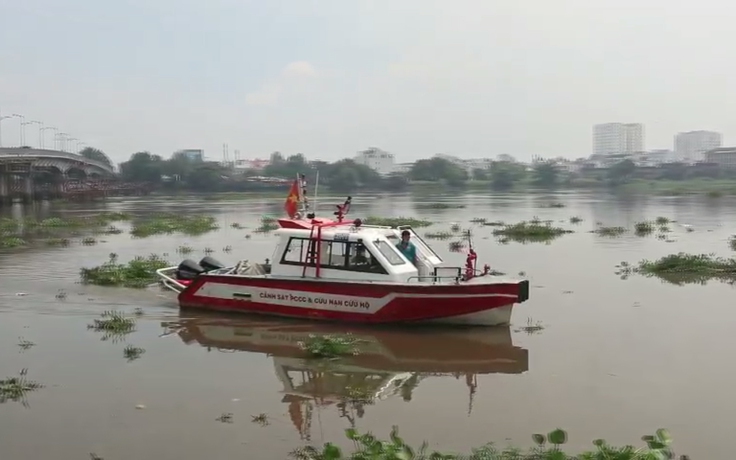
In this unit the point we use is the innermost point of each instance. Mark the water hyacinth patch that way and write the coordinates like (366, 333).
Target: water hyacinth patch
(547, 447)
(396, 221)
(330, 346)
(174, 223)
(533, 231)
(138, 273)
(682, 268)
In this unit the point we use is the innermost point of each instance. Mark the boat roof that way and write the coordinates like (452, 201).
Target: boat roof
(332, 232)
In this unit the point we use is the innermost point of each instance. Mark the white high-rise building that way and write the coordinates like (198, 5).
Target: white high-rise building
(618, 139)
(376, 159)
(691, 146)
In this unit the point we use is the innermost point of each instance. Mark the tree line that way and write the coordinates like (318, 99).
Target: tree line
(185, 173)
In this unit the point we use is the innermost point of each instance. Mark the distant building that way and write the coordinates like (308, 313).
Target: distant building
(690, 147)
(618, 139)
(380, 161)
(191, 154)
(403, 168)
(254, 164)
(724, 157)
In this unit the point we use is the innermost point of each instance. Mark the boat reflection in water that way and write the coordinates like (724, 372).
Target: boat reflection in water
(392, 361)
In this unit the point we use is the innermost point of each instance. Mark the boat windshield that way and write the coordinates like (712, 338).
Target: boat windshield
(389, 252)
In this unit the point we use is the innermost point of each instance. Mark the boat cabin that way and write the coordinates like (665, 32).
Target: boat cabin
(365, 253)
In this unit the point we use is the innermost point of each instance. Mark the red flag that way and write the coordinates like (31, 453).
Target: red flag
(292, 200)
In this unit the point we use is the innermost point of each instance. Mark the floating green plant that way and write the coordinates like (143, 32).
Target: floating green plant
(553, 205)
(576, 220)
(531, 327)
(439, 206)
(438, 235)
(25, 344)
(330, 346)
(397, 221)
(732, 243)
(113, 321)
(496, 223)
(63, 242)
(530, 232)
(12, 242)
(611, 232)
(138, 273)
(643, 228)
(261, 419)
(132, 353)
(268, 224)
(547, 447)
(174, 223)
(682, 268)
(16, 388)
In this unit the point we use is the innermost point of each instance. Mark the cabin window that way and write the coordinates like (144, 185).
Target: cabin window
(360, 259)
(334, 255)
(296, 252)
(389, 252)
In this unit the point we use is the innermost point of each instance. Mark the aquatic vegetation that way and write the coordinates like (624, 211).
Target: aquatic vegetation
(478, 220)
(89, 241)
(132, 353)
(12, 242)
(184, 249)
(662, 220)
(438, 235)
(533, 232)
(643, 228)
(175, 223)
(268, 224)
(456, 246)
(63, 242)
(330, 346)
(610, 231)
(114, 322)
(16, 388)
(455, 228)
(236, 225)
(25, 344)
(576, 220)
(397, 221)
(553, 205)
(547, 447)
(226, 417)
(439, 206)
(497, 223)
(682, 268)
(138, 273)
(531, 327)
(732, 242)
(261, 419)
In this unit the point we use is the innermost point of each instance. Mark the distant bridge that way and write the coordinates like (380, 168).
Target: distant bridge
(28, 173)
(54, 161)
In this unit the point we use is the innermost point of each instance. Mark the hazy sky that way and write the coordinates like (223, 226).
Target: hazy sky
(331, 77)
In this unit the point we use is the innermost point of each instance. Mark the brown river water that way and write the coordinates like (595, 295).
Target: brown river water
(615, 359)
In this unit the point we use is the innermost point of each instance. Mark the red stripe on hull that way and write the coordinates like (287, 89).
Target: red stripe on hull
(398, 309)
(375, 290)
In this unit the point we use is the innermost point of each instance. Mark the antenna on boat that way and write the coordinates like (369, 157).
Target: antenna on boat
(303, 200)
(316, 187)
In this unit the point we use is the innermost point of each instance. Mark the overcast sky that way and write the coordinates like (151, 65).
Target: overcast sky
(331, 77)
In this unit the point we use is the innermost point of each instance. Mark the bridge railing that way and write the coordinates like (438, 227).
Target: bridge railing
(15, 152)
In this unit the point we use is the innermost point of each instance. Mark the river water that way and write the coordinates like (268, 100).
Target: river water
(615, 358)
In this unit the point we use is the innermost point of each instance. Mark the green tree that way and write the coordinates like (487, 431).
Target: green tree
(621, 172)
(504, 174)
(480, 174)
(143, 167)
(96, 154)
(438, 169)
(546, 174)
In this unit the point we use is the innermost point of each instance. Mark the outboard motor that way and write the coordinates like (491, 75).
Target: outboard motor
(188, 270)
(208, 264)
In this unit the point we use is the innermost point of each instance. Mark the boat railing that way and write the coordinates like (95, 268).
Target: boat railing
(436, 277)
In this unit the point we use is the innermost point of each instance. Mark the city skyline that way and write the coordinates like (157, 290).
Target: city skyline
(327, 78)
